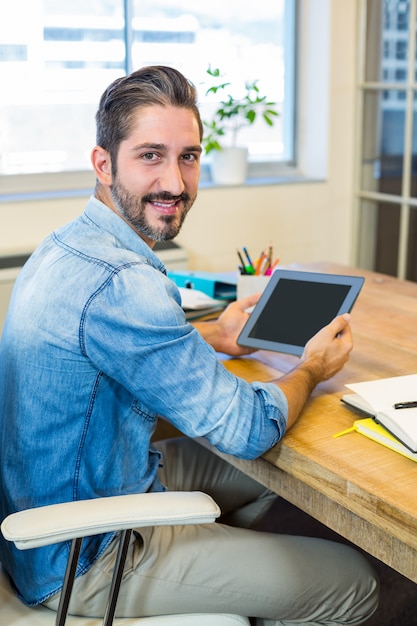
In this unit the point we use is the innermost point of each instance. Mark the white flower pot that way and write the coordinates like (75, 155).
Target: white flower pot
(229, 166)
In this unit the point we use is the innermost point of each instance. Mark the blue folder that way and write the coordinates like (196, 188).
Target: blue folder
(219, 285)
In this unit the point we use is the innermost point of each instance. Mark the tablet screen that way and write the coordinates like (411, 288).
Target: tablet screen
(295, 306)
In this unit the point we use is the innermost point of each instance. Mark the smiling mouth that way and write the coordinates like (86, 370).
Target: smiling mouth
(166, 204)
(167, 208)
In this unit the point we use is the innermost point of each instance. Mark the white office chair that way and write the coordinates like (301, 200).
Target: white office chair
(75, 520)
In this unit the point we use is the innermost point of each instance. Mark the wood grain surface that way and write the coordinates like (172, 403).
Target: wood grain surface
(355, 486)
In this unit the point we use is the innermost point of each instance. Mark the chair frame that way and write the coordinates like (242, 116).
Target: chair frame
(75, 520)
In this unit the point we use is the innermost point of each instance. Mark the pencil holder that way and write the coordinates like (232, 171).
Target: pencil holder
(248, 284)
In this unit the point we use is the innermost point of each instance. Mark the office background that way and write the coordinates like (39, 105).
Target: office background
(306, 220)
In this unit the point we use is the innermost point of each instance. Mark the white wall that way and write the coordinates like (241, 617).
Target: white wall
(305, 222)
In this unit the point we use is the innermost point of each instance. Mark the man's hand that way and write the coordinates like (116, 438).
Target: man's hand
(324, 355)
(329, 349)
(222, 333)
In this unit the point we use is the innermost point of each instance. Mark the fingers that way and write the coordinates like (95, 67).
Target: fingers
(337, 328)
(330, 347)
(248, 301)
(340, 323)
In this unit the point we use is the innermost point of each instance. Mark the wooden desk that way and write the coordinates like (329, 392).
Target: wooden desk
(356, 487)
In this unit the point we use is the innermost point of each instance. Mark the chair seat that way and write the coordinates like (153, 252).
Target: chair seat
(14, 613)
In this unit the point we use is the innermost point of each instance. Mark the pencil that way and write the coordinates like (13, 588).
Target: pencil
(269, 257)
(275, 263)
(260, 263)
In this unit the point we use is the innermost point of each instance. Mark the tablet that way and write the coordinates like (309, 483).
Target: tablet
(294, 306)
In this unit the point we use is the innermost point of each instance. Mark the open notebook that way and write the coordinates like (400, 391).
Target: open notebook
(378, 399)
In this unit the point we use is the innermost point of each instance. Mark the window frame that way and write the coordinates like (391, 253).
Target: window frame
(364, 230)
(311, 45)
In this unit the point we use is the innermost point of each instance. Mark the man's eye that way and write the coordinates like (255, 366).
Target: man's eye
(149, 156)
(190, 157)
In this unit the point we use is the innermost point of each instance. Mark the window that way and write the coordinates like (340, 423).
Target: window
(58, 59)
(386, 203)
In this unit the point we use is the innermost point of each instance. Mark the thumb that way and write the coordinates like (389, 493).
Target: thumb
(339, 323)
(248, 301)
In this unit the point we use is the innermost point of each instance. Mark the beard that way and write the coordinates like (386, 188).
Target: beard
(133, 210)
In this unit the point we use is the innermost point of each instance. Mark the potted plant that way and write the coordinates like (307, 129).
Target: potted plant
(229, 160)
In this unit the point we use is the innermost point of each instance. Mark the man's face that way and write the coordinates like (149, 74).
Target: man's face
(158, 168)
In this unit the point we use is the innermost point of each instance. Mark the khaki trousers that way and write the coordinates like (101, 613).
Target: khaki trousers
(226, 567)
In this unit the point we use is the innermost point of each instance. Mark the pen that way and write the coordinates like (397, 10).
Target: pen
(242, 267)
(412, 404)
(249, 260)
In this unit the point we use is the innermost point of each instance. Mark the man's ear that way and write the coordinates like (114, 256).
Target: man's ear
(101, 162)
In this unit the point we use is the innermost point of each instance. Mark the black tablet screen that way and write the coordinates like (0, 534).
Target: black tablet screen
(296, 310)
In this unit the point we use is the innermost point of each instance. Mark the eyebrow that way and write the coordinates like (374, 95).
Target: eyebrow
(162, 147)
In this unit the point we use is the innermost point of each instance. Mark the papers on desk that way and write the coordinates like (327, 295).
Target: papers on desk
(197, 304)
(379, 398)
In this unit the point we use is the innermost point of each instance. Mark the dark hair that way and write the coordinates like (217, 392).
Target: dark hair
(150, 85)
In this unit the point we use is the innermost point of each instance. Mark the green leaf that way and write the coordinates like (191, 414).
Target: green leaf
(215, 72)
(251, 116)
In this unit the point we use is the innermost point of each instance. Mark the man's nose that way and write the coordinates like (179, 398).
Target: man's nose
(171, 179)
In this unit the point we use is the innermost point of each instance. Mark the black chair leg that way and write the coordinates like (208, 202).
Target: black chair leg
(61, 616)
(117, 577)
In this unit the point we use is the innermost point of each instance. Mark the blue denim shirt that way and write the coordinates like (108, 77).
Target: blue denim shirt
(95, 347)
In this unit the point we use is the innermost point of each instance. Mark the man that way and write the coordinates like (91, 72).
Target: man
(96, 347)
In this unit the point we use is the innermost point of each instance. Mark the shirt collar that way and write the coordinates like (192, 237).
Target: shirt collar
(105, 218)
